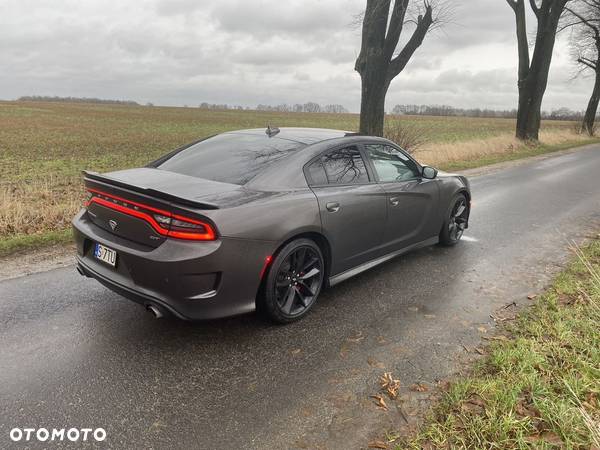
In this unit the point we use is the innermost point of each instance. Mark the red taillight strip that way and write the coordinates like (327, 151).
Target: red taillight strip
(141, 205)
(208, 235)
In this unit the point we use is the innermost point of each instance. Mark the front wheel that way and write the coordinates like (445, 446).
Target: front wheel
(456, 221)
(294, 281)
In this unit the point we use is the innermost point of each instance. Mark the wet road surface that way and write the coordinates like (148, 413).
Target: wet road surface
(73, 354)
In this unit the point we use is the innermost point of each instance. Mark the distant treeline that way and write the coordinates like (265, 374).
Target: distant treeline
(310, 107)
(46, 98)
(445, 110)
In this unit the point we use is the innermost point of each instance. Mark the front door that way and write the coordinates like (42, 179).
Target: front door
(411, 199)
(352, 207)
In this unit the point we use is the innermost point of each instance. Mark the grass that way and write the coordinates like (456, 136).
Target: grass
(44, 147)
(24, 242)
(539, 387)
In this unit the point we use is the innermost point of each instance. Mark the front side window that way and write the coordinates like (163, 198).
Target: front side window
(391, 164)
(344, 166)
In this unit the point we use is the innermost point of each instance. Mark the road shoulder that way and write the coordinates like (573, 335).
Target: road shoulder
(34, 261)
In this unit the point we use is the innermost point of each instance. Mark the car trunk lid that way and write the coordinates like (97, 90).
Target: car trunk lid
(148, 205)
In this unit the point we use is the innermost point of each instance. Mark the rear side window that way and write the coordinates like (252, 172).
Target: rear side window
(341, 166)
(231, 157)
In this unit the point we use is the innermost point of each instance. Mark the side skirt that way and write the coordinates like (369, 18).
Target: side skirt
(375, 262)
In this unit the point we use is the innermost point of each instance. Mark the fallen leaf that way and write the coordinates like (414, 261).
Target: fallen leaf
(357, 338)
(419, 387)
(548, 437)
(531, 296)
(551, 438)
(374, 363)
(473, 405)
(390, 384)
(429, 316)
(378, 444)
(296, 351)
(480, 350)
(525, 410)
(482, 329)
(381, 340)
(379, 401)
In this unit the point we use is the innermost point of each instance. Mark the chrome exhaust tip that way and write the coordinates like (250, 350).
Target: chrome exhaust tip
(156, 312)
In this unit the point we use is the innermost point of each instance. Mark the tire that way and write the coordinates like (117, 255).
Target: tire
(293, 283)
(455, 221)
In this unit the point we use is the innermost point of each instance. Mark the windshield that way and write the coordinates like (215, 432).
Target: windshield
(230, 158)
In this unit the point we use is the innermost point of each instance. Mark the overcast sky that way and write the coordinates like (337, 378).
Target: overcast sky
(176, 52)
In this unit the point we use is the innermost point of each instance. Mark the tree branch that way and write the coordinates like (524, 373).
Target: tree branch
(512, 4)
(395, 28)
(518, 7)
(535, 8)
(373, 32)
(424, 22)
(588, 62)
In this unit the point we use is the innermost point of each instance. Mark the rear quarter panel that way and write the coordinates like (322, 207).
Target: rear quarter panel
(274, 217)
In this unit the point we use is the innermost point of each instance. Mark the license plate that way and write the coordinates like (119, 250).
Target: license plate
(105, 254)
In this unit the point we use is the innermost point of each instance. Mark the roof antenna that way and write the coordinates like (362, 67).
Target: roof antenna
(271, 131)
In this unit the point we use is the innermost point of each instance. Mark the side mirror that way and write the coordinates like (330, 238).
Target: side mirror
(429, 172)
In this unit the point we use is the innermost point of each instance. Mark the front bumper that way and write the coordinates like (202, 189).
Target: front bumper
(191, 280)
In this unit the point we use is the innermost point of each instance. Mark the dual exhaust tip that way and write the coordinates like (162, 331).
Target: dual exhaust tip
(155, 310)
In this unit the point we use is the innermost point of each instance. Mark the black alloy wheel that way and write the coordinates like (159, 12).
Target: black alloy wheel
(294, 281)
(456, 222)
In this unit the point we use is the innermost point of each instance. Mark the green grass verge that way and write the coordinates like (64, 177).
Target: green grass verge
(539, 388)
(524, 152)
(25, 242)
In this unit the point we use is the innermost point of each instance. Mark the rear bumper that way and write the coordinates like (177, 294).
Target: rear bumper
(191, 280)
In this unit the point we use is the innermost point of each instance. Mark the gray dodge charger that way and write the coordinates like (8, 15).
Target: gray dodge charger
(261, 219)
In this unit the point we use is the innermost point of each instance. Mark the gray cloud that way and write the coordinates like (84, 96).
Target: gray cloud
(179, 52)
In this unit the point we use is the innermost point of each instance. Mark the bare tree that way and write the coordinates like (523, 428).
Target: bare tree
(584, 17)
(533, 72)
(378, 62)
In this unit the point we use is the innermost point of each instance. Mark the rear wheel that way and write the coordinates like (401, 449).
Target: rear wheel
(456, 221)
(294, 281)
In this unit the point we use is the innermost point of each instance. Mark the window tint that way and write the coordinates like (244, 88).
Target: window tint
(230, 158)
(316, 173)
(345, 166)
(391, 164)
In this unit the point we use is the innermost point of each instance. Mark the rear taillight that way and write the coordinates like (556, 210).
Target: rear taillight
(185, 228)
(163, 222)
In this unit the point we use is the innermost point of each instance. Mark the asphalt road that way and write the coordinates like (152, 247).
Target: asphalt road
(73, 354)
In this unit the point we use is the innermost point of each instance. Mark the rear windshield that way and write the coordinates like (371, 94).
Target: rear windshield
(229, 158)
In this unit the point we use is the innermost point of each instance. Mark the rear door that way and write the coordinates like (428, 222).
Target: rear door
(411, 199)
(352, 206)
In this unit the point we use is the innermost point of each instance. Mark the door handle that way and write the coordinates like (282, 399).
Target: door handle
(394, 201)
(333, 206)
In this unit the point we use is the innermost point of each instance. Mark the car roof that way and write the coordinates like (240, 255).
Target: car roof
(305, 136)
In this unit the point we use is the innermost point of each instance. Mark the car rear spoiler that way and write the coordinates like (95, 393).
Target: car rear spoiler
(95, 176)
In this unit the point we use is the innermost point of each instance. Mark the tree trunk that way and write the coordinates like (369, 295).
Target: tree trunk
(372, 105)
(592, 108)
(529, 113)
(533, 76)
